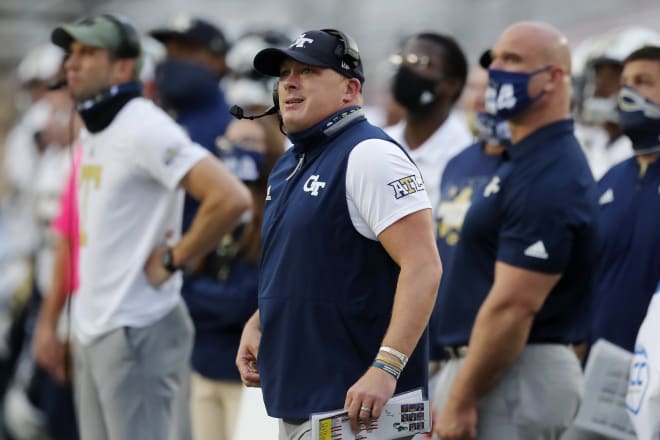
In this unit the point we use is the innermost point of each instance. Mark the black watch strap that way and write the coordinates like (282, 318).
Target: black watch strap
(168, 261)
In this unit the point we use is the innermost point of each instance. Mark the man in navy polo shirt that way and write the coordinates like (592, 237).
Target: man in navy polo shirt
(521, 275)
(629, 236)
(349, 269)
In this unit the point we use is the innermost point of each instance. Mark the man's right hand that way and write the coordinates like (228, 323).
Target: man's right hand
(246, 358)
(50, 352)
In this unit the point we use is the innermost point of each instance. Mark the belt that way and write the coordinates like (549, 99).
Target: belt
(295, 421)
(459, 351)
(455, 351)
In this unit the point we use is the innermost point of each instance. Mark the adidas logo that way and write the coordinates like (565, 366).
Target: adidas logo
(607, 197)
(537, 250)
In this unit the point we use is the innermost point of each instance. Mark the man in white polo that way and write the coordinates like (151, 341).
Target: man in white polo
(133, 334)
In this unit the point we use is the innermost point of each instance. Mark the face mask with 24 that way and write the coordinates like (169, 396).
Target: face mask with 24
(508, 92)
(639, 119)
(412, 91)
(245, 164)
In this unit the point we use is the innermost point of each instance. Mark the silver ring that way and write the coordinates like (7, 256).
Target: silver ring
(365, 409)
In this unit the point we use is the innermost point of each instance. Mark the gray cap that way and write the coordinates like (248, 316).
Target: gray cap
(104, 31)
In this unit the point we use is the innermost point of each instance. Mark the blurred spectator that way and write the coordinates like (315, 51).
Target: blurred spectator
(244, 85)
(153, 53)
(220, 292)
(225, 293)
(50, 341)
(39, 180)
(432, 71)
(28, 138)
(187, 84)
(473, 98)
(252, 90)
(629, 265)
(133, 335)
(629, 240)
(600, 63)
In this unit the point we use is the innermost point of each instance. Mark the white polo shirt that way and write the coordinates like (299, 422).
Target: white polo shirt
(128, 202)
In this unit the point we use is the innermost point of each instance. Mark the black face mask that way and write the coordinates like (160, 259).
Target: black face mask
(413, 91)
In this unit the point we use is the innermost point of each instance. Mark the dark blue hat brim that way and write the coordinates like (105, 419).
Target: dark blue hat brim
(269, 60)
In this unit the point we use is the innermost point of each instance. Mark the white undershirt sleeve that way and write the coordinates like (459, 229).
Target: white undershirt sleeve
(382, 186)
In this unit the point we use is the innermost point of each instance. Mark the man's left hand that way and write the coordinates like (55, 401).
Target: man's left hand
(456, 422)
(367, 397)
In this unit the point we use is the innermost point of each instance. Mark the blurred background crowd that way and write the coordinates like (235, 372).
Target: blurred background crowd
(36, 125)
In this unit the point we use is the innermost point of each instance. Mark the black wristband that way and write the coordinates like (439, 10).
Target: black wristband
(167, 260)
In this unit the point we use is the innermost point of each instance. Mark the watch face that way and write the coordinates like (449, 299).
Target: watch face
(167, 260)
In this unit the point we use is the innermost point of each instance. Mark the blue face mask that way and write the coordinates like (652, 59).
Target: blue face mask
(493, 129)
(507, 94)
(245, 164)
(182, 84)
(639, 119)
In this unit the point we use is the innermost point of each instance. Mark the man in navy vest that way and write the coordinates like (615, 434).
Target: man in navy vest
(349, 268)
(522, 269)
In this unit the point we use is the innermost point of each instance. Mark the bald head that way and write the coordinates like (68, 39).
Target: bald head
(539, 43)
(541, 52)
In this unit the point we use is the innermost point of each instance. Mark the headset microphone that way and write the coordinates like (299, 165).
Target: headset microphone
(239, 113)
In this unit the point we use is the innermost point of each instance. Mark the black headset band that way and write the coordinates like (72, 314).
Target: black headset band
(350, 53)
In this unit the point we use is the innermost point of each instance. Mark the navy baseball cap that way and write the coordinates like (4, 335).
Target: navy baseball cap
(315, 48)
(193, 30)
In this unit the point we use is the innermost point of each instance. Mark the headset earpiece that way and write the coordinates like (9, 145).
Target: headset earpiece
(276, 95)
(348, 52)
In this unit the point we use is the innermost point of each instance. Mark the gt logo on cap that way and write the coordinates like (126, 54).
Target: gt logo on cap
(301, 41)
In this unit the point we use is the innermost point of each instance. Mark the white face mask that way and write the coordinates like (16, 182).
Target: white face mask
(599, 110)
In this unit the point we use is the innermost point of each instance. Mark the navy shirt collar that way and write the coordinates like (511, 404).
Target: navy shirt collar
(530, 144)
(325, 130)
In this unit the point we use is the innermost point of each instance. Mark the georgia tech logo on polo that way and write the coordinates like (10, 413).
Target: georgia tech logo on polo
(406, 186)
(268, 193)
(301, 41)
(493, 186)
(312, 185)
(606, 197)
(170, 154)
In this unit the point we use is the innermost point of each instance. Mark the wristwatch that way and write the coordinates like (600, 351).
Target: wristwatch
(167, 259)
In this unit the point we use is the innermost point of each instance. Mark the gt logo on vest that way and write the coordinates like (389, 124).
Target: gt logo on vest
(312, 185)
(406, 186)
